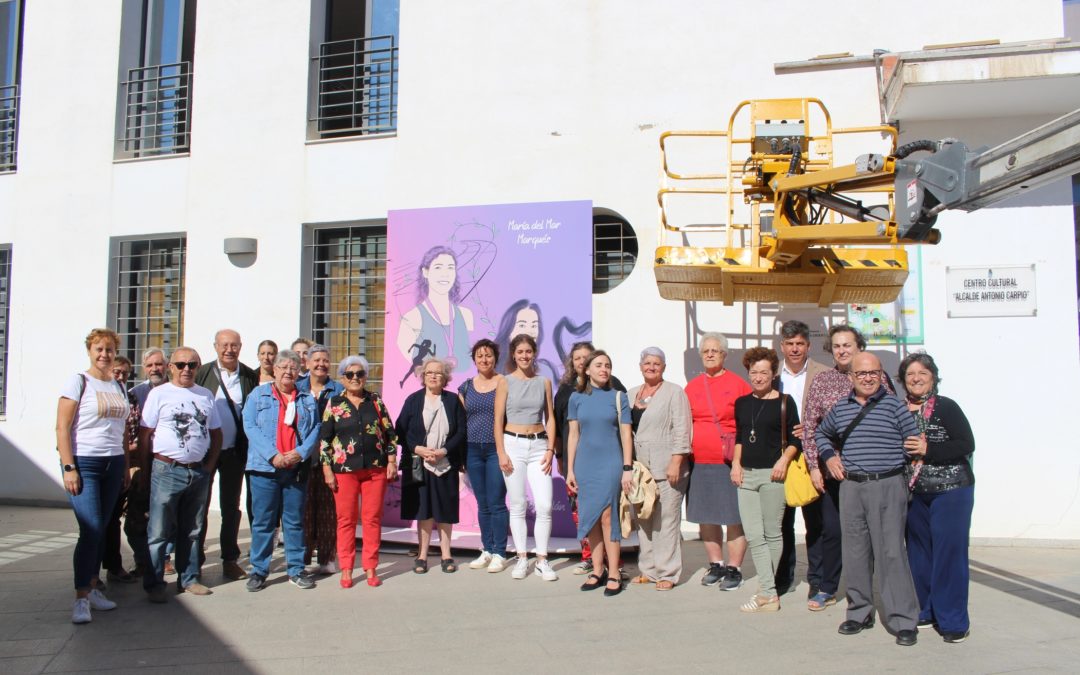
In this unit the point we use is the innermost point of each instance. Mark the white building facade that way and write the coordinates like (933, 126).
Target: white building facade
(145, 140)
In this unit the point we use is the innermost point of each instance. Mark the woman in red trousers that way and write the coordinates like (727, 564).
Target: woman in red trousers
(358, 449)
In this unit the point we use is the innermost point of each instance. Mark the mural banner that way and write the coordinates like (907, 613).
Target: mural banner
(459, 274)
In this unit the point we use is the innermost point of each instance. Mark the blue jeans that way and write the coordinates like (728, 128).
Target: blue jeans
(102, 478)
(937, 547)
(281, 492)
(177, 503)
(482, 463)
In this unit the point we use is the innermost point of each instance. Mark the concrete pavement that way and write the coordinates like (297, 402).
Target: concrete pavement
(1025, 607)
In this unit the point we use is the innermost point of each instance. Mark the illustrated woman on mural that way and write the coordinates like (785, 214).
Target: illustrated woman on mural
(437, 326)
(524, 317)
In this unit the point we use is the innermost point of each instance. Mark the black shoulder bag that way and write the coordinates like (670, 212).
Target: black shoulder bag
(842, 438)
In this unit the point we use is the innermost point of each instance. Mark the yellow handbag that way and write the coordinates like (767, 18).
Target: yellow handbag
(798, 488)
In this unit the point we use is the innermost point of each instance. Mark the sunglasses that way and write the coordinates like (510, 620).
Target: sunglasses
(355, 374)
(180, 365)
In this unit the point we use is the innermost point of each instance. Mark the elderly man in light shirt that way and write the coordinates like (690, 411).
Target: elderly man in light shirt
(179, 441)
(230, 382)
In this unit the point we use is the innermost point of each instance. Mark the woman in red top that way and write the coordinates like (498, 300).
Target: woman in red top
(712, 500)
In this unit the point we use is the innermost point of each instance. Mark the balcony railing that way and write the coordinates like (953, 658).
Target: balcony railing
(357, 93)
(9, 127)
(157, 110)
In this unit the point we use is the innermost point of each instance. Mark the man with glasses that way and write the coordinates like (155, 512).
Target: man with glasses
(179, 441)
(230, 382)
(861, 441)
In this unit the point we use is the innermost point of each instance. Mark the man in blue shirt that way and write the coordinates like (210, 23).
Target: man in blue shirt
(870, 428)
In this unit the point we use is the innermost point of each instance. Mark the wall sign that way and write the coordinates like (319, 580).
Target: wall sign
(1000, 290)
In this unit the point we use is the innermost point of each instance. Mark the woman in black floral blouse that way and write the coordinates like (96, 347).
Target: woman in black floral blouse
(358, 449)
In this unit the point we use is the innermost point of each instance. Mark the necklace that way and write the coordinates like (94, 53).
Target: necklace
(642, 399)
(753, 422)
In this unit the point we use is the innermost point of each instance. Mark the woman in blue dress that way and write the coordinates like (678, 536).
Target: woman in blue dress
(599, 450)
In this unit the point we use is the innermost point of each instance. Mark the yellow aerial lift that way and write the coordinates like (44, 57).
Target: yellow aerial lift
(807, 236)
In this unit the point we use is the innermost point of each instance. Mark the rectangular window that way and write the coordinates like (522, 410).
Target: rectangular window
(146, 292)
(11, 12)
(157, 50)
(5, 305)
(344, 296)
(354, 68)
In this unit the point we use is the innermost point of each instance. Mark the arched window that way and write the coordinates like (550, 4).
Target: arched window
(615, 249)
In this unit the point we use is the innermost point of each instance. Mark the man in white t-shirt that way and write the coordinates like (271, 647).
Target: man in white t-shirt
(179, 441)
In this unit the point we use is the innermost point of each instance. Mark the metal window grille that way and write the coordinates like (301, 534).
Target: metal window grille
(5, 304)
(347, 298)
(157, 106)
(357, 92)
(615, 250)
(9, 127)
(146, 298)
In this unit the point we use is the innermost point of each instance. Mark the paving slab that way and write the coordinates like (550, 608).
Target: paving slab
(1025, 608)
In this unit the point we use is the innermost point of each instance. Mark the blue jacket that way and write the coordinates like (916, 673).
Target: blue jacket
(260, 424)
(331, 389)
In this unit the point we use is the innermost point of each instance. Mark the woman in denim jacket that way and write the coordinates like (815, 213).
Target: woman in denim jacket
(282, 427)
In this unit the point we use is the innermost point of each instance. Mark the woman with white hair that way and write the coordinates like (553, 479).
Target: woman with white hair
(661, 420)
(358, 451)
(712, 501)
(432, 427)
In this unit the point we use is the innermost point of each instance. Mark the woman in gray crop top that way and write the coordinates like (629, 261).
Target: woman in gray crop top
(525, 442)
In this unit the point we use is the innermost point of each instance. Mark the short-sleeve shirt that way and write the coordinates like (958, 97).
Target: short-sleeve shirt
(707, 444)
(181, 418)
(100, 416)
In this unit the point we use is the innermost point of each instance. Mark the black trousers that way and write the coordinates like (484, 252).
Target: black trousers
(111, 559)
(230, 479)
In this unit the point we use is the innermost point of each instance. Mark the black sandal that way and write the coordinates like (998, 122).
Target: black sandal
(609, 592)
(595, 580)
(448, 565)
(420, 566)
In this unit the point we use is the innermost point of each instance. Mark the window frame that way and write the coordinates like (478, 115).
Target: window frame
(113, 317)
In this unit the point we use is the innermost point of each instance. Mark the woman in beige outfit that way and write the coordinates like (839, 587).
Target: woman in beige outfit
(661, 421)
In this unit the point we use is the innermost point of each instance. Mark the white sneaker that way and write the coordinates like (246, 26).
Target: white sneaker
(544, 571)
(481, 561)
(99, 602)
(497, 564)
(521, 568)
(80, 611)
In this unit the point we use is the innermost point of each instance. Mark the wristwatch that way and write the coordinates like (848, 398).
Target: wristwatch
(627, 467)
(68, 468)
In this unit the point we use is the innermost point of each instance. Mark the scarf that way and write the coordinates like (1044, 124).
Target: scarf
(286, 433)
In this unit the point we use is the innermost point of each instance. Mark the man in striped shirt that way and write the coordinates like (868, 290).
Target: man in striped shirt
(873, 498)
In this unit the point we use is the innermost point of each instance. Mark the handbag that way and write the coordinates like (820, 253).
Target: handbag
(798, 488)
(415, 474)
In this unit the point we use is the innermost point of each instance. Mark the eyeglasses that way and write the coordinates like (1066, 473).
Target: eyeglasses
(436, 373)
(190, 365)
(288, 369)
(866, 374)
(355, 374)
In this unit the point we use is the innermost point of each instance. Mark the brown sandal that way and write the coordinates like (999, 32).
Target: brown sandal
(641, 579)
(664, 585)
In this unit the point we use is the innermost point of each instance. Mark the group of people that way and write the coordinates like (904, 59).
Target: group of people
(894, 475)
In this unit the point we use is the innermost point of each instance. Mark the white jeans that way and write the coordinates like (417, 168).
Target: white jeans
(526, 455)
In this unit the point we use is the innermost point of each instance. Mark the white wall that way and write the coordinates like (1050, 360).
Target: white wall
(499, 102)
